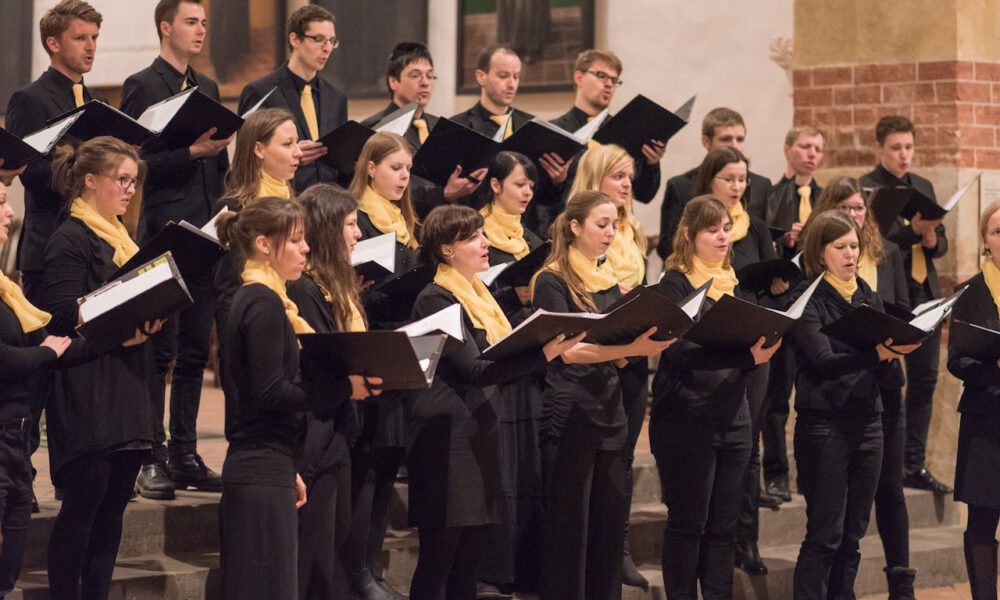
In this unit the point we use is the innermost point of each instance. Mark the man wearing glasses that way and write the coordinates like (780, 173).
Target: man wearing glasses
(317, 105)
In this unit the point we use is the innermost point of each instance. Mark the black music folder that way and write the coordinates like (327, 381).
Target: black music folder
(403, 362)
(193, 250)
(407, 286)
(98, 118)
(111, 314)
(450, 144)
(17, 152)
(974, 341)
(375, 258)
(519, 272)
(344, 145)
(183, 118)
(537, 137)
(865, 327)
(535, 331)
(906, 202)
(735, 324)
(756, 278)
(644, 307)
(641, 121)
(447, 321)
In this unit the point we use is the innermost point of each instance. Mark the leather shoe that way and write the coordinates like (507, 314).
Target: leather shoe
(154, 482)
(388, 589)
(631, 575)
(923, 480)
(778, 486)
(748, 558)
(34, 503)
(366, 587)
(189, 470)
(488, 591)
(765, 500)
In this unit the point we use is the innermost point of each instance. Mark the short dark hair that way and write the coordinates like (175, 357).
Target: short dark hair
(890, 124)
(500, 167)
(484, 58)
(402, 56)
(300, 19)
(587, 58)
(165, 12)
(720, 117)
(822, 229)
(447, 224)
(56, 20)
(714, 162)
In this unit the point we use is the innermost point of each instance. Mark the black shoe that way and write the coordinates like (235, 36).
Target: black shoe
(488, 591)
(900, 581)
(778, 486)
(765, 500)
(34, 503)
(631, 575)
(923, 480)
(388, 589)
(189, 470)
(748, 558)
(59, 494)
(366, 587)
(154, 482)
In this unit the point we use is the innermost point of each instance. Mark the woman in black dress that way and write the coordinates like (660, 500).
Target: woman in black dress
(881, 267)
(100, 417)
(699, 427)
(454, 454)
(838, 430)
(584, 426)
(265, 399)
(979, 433)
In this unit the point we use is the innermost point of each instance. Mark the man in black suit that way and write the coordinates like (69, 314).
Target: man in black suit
(410, 77)
(69, 35)
(311, 38)
(181, 184)
(920, 241)
(721, 128)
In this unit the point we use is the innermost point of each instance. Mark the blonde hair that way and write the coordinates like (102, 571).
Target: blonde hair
(243, 178)
(596, 164)
(378, 148)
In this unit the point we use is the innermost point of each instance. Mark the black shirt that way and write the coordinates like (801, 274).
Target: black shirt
(980, 381)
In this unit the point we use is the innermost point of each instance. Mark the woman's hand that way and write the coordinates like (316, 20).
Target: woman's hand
(779, 286)
(523, 294)
(559, 344)
(645, 345)
(362, 387)
(300, 492)
(624, 289)
(886, 351)
(57, 344)
(761, 354)
(364, 284)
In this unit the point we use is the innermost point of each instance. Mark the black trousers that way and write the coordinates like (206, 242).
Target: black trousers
(15, 504)
(32, 284)
(634, 380)
(779, 392)
(324, 525)
(890, 505)
(87, 531)
(373, 477)
(748, 524)
(702, 468)
(183, 343)
(584, 522)
(921, 379)
(448, 563)
(838, 462)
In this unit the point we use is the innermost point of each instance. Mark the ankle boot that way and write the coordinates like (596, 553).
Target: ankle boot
(748, 558)
(981, 562)
(365, 587)
(900, 581)
(630, 574)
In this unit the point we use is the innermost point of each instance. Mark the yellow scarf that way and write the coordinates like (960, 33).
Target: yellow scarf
(723, 279)
(740, 220)
(991, 273)
(385, 214)
(114, 233)
(477, 301)
(31, 318)
(624, 257)
(868, 270)
(846, 289)
(357, 322)
(272, 187)
(256, 271)
(595, 278)
(504, 231)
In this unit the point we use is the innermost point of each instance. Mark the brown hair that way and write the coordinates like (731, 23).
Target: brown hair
(890, 124)
(273, 218)
(984, 222)
(243, 178)
(326, 208)
(96, 156)
(300, 19)
(166, 10)
(402, 56)
(578, 208)
(587, 58)
(701, 213)
(56, 20)
(376, 149)
(446, 224)
(841, 189)
(715, 161)
(484, 58)
(796, 132)
(720, 117)
(822, 229)
(596, 164)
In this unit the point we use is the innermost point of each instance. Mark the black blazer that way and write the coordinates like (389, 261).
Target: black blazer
(981, 381)
(426, 195)
(104, 404)
(177, 187)
(331, 111)
(680, 190)
(29, 110)
(903, 235)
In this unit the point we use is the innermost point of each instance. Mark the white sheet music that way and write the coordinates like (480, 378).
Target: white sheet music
(44, 139)
(210, 227)
(490, 275)
(158, 116)
(795, 310)
(447, 320)
(380, 249)
(498, 136)
(399, 121)
(587, 131)
(260, 103)
(954, 198)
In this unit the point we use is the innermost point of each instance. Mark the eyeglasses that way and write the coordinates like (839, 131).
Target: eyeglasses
(418, 75)
(125, 182)
(854, 210)
(605, 78)
(323, 40)
(732, 180)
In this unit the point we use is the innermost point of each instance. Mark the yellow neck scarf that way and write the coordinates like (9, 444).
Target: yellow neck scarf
(385, 215)
(256, 271)
(272, 187)
(624, 257)
(504, 231)
(846, 289)
(723, 279)
(740, 220)
(357, 322)
(868, 270)
(595, 278)
(114, 233)
(991, 273)
(477, 301)
(30, 318)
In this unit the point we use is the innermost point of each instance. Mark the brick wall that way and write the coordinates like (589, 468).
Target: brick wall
(954, 104)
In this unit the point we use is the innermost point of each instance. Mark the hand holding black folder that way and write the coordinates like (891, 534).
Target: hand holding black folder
(450, 144)
(519, 272)
(193, 250)
(183, 118)
(756, 278)
(641, 121)
(97, 119)
(403, 362)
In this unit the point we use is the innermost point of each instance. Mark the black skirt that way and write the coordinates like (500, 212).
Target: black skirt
(977, 472)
